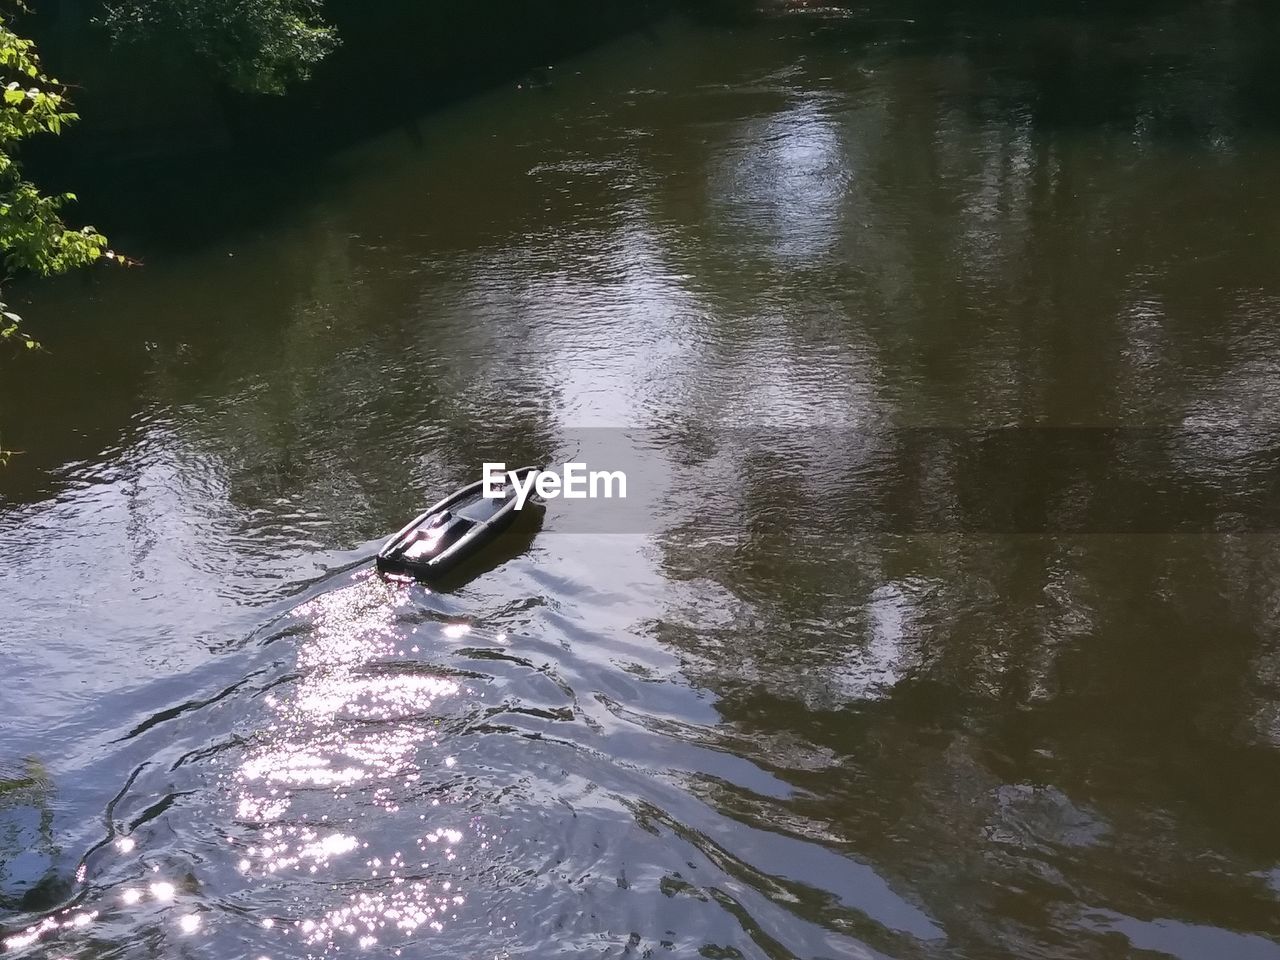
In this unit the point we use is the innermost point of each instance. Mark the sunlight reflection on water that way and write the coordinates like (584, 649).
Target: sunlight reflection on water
(355, 724)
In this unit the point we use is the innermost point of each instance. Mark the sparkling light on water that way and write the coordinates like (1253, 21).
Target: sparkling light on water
(352, 727)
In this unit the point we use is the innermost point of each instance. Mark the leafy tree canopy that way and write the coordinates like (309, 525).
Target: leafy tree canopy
(258, 46)
(33, 236)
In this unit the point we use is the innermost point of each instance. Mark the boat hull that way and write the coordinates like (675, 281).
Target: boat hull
(451, 532)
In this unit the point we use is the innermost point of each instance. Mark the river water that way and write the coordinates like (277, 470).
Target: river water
(775, 270)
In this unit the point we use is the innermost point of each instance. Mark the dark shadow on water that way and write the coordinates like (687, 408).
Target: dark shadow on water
(1169, 68)
(1172, 69)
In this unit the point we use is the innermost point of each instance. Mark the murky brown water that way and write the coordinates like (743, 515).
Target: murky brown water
(797, 261)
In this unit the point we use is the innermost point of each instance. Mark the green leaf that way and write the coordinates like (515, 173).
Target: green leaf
(33, 236)
(258, 46)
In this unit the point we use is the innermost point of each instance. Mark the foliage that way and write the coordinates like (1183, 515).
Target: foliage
(33, 236)
(258, 46)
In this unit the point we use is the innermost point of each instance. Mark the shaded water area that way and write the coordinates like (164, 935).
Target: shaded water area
(737, 727)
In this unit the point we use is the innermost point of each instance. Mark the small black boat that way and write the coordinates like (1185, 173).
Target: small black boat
(438, 540)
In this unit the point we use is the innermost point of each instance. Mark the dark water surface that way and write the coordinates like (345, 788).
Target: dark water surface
(738, 728)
